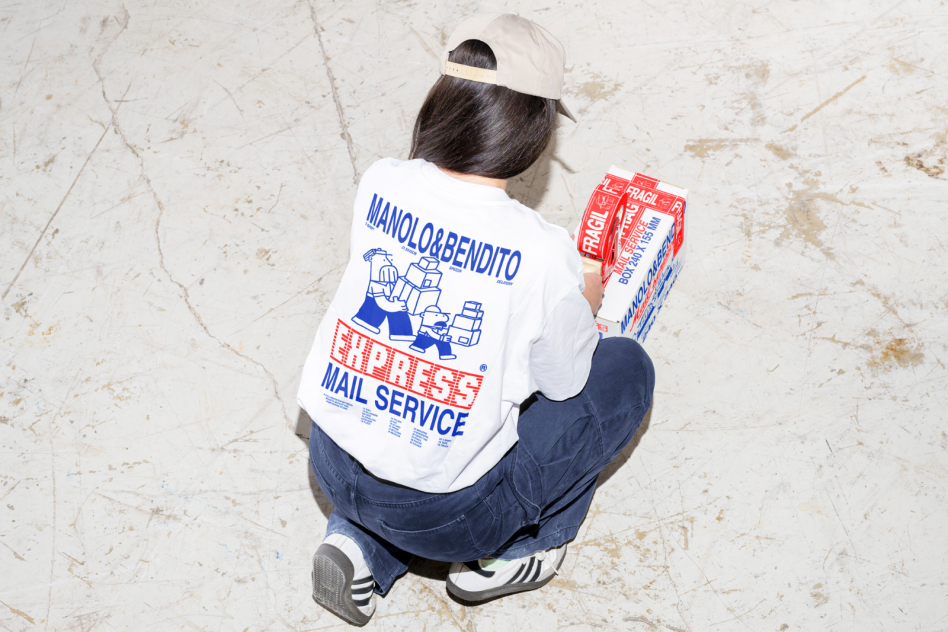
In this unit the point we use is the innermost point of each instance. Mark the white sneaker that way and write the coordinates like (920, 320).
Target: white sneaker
(488, 578)
(342, 581)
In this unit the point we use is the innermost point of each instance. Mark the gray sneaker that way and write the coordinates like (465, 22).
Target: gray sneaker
(342, 581)
(488, 578)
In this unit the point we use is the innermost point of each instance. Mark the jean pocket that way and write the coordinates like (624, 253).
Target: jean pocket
(451, 542)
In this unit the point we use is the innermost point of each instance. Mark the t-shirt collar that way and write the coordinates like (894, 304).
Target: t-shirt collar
(459, 187)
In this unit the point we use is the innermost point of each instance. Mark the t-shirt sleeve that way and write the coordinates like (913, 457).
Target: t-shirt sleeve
(561, 357)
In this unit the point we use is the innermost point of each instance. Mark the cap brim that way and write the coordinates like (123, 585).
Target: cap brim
(562, 109)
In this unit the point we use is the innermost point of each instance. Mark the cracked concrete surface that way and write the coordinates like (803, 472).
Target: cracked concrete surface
(335, 97)
(166, 256)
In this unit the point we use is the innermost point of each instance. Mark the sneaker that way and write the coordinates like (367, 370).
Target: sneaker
(342, 581)
(488, 578)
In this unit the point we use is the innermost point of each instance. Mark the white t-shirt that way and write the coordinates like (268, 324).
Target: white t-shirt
(457, 304)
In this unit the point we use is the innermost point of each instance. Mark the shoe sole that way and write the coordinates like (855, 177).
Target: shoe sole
(332, 585)
(500, 591)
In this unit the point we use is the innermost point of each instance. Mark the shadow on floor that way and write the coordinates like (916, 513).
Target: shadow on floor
(626, 453)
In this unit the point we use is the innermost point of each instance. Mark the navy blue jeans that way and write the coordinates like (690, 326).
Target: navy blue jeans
(534, 499)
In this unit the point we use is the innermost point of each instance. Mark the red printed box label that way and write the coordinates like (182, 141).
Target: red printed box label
(613, 184)
(642, 190)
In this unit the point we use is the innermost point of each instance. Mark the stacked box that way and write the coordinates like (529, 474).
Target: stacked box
(645, 263)
(419, 285)
(463, 337)
(465, 329)
(419, 299)
(651, 256)
(472, 309)
(466, 322)
(424, 273)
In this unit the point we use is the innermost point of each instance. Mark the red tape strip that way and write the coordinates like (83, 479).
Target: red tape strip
(600, 233)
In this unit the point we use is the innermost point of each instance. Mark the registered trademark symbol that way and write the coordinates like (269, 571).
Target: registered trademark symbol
(483, 368)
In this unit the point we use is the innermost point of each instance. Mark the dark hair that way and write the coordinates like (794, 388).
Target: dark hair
(479, 128)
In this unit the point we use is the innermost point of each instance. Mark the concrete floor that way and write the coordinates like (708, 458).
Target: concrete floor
(176, 180)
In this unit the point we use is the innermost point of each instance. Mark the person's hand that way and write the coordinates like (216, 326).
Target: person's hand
(393, 305)
(593, 292)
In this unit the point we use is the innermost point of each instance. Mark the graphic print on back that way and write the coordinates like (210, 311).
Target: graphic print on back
(408, 355)
(396, 298)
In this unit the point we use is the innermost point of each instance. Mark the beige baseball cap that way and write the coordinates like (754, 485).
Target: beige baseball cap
(529, 59)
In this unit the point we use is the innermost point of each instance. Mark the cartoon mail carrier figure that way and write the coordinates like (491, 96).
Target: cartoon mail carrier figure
(434, 331)
(380, 304)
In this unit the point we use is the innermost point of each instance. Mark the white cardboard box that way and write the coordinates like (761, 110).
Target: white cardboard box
(654, 231)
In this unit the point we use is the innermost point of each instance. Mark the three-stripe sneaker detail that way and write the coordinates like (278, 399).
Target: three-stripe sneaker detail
(342, 582)
(362, 591)
(487, 578)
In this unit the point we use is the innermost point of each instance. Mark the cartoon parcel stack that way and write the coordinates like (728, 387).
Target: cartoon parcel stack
(465, 330)
(419, 286)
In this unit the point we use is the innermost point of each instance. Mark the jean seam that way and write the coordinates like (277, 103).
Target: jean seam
(645, 404)
(481, 551)
(404, 505)
(328, 463)
(513, 486)
(354, 493)
(643, 407)
(494, 518)
(646, 367)
(506, 553)
(475, 543)
(591, 406)
(387, 527)
(329, 489)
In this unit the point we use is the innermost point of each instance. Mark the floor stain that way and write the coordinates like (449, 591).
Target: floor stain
(901, 67)
(757, 108)
(19, 613)
(757, 74)
(829, 100)
(888, 302)
(704, 147)
(931, 170)
(779, 151)
(898, 352)
(925, 160)
(759, 71)
(597, 88)
(802, 215)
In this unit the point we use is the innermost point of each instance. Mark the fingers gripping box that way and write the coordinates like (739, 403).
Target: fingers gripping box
(650, 220)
